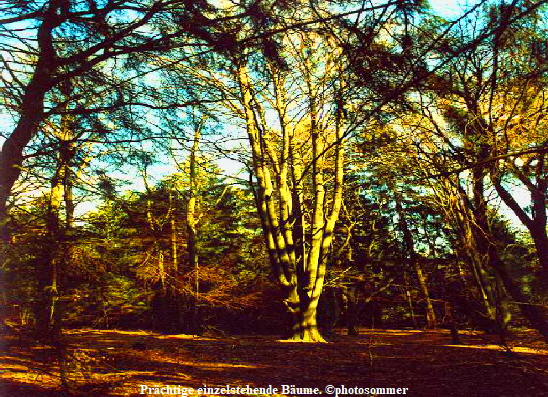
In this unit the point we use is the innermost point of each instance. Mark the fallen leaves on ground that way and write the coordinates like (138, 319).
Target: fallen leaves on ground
(116, 363)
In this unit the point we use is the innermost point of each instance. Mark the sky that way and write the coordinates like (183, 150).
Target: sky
(446, 9)
(449, 9)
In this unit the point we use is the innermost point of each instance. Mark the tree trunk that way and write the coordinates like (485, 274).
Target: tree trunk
(31, 111)
(191, 220)
(48, 265)
(352, 310)
(410, 301)
(536, 315)
(430, 313)
(536, 222)
(305, 326)
(58, 247)
(413, 258)
(450, 319)
(298, 230)
(540, 239)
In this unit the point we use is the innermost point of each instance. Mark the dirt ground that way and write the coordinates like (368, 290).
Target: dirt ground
(121, 363)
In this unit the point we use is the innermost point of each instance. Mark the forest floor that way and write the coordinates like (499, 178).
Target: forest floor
(116, 363)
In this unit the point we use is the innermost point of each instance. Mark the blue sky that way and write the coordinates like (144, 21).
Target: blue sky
(446, 9)
(451, 9)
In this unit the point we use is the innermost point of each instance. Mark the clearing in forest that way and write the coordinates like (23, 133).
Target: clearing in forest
(119, 363)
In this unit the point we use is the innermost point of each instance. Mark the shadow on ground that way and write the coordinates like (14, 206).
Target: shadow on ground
(116, 363)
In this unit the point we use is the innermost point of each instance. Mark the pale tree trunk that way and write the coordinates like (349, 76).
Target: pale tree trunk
(174, 243)
(431, 322)
(281, 258)
(323, 217)
(410, 300)
(298, 251)
(482, 272)
(160, 307)
(192, 221)
(311, 280)
(173, 234)
(481, 232)
(485, 287)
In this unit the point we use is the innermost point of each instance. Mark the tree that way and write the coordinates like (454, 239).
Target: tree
(292, 164)
(84, 40)
(479, 104)
(295, 100)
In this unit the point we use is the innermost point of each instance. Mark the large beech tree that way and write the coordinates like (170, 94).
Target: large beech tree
(297, 162)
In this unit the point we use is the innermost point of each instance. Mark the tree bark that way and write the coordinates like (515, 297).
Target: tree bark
(192, 231)
(31, 112)
(352, 295)
(297, 248)
(59, 235)
(412, 257)
(536, 223)
(536, 315)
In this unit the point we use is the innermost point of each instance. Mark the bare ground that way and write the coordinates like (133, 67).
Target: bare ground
(116, 363)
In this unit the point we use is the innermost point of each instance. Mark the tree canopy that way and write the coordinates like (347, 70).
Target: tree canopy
(187, 166)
